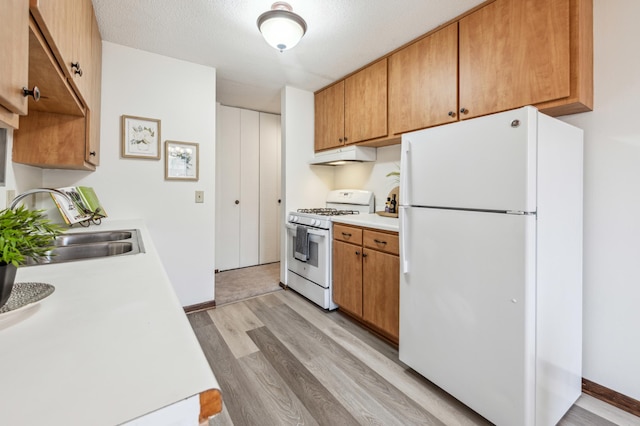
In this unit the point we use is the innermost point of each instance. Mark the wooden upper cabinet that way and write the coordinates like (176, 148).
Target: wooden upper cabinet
(503, 55)
(329, 117)
(69, 24)
(62, 130)
(14, 65)
(514, 53)
(423, 82)
(580, 98)
(92, 154)
(365, 108)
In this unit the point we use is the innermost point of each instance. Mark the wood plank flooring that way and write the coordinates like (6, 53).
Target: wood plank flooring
(280, 360)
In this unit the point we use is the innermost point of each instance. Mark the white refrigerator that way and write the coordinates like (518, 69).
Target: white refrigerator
(491, 263)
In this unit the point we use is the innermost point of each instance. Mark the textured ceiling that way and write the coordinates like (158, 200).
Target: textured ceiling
(342, 36)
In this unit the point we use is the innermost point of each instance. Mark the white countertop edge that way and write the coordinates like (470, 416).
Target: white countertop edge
(369, 220)
(111, 344)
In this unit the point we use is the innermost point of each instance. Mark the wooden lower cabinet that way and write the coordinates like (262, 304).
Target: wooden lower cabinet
(347, 277)
(366, 277)
(381, 291)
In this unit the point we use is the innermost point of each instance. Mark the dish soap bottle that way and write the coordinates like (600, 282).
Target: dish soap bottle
(387, 205)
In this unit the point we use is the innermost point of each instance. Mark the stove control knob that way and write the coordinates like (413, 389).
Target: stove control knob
(295, 218)
(290, 218)
(314, 222)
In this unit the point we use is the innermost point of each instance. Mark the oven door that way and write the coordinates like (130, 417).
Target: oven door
(316, 268)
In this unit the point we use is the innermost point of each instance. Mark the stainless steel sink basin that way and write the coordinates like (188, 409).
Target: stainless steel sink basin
(90, 245)
(91, 237)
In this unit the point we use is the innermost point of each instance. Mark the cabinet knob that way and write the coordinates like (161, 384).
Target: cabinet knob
(451, 114)
(357, 253)
(279, 201)
(364, 254)
(75, 66)
(340, 140)
(380, 242)
(92, 154)
(35, 93)
(345, 139)
(464, 111)
(237, 201)
(345, 234)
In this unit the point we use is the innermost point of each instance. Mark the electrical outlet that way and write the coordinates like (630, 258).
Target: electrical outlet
(199, 196)
(11, 194)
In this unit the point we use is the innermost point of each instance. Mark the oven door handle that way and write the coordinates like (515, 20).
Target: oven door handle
(319, 233)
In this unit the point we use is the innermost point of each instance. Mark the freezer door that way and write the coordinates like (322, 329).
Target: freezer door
(486, 163)
(467, 307)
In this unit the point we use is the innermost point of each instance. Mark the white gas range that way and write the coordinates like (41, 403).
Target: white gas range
(309, 235)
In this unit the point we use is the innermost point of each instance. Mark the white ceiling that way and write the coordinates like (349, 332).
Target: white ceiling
(342, 36)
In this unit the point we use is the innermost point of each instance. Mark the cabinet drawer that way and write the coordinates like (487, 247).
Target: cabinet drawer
(381, 241)
(347, 234)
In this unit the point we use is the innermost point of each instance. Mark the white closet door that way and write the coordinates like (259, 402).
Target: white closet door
(227, 188)
(249, 187)
(270, 213)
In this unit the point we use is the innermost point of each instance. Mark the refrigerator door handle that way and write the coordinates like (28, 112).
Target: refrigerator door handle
(404, 234)
(404, 172)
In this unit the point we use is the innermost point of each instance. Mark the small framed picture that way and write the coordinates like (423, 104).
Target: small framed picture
(180, 161)
(140, 137)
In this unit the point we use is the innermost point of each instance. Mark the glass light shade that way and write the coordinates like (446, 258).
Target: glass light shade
(281, 29)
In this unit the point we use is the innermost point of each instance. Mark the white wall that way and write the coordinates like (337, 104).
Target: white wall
(303, 185)
(372, 176)
(18, 177)
(182, 95)
(612, 202)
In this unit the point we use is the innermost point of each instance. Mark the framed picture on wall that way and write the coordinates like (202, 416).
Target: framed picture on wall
(140, 137)
(181, 161)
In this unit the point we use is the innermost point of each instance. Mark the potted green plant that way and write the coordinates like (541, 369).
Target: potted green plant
(23, 233)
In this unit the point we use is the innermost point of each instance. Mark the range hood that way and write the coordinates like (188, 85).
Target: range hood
(348, 154)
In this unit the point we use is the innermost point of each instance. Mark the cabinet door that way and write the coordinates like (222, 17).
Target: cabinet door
(95, 83)
(270, 213)
(83, 48)
(365, 107)
(329, 117)
(381, 291)
(423, 82)
(347, 277)
(68, 24)
(514, 53)
(14, 66)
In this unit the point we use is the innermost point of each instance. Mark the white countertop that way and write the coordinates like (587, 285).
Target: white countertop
(112, 343)
(370, 220)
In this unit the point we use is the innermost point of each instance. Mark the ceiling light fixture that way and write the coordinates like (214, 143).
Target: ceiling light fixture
(280, 27)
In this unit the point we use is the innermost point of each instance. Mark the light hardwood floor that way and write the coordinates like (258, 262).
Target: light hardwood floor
(280, 360)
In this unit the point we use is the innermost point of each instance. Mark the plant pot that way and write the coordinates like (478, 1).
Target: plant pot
(7, 278)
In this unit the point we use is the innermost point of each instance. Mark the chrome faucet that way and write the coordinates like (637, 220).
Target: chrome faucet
(25, 194)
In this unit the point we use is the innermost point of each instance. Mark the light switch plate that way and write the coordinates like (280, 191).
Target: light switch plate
(199, 196)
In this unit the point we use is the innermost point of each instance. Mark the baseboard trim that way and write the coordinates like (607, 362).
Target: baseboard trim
(199, 307)
(612, 397)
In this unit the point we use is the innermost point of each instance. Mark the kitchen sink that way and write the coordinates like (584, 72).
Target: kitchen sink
(91, 245)
(91, 237)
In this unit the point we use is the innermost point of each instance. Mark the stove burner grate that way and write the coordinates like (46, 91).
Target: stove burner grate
(328, 211)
